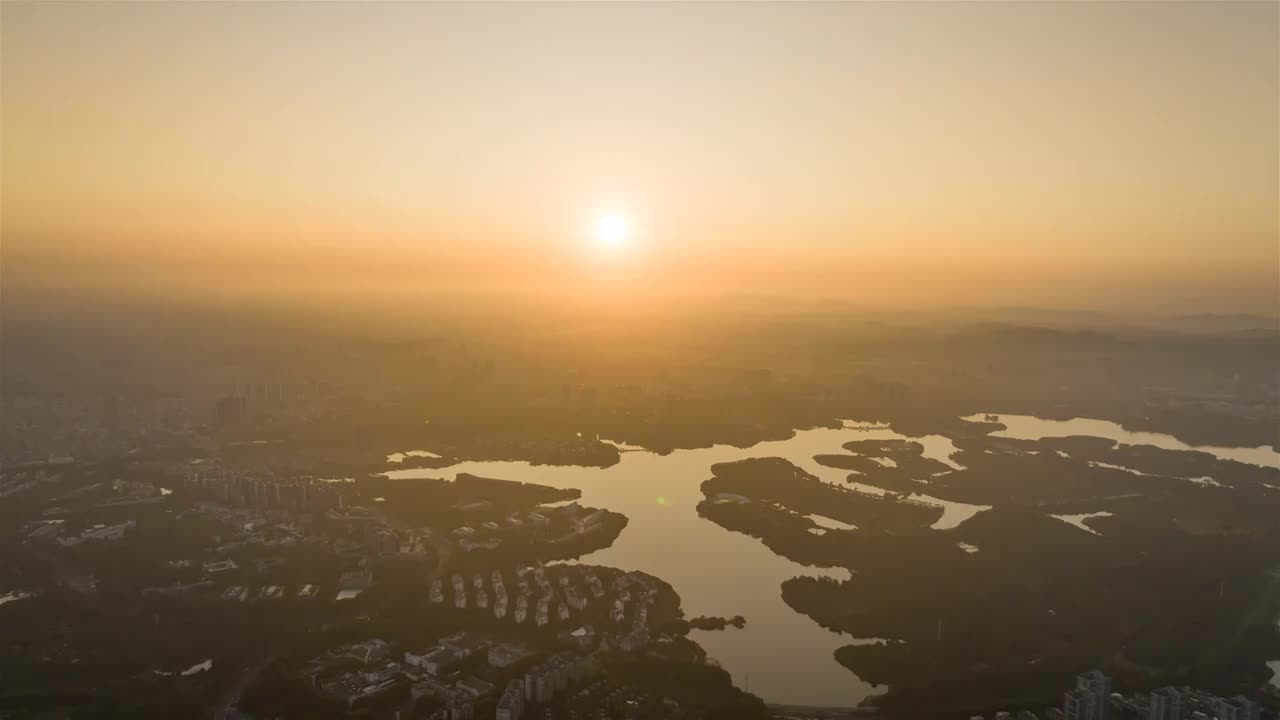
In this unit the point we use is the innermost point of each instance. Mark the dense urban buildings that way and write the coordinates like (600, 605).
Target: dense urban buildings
(1166, 704)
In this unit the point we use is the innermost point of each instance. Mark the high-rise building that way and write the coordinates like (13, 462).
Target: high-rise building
(1166, 704)
(545, 681)
(511, 705)
(1236, 708)
(462, 709)
(1099, 686)
(1079, 704)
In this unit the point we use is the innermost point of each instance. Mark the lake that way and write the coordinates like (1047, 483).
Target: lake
(780, 655)
(15, 595)
(1029, 427)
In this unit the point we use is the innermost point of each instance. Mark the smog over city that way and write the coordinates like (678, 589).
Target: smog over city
(640, 360)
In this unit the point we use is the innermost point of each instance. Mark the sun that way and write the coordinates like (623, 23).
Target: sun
(611, 231)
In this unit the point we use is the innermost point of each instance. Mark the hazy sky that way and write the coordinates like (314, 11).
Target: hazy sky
(1055, 154)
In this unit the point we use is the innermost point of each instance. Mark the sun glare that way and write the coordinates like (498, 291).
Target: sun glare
(611, 231)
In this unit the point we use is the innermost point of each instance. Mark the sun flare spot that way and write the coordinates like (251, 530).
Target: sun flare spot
(611, 231)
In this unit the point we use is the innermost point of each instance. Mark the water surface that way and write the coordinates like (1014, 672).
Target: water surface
(15, 595)
(1078, 520)
(782, 656)
(400, 456)
(1029, 427)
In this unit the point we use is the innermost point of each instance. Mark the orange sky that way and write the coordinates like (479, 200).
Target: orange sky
(1057, 154)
